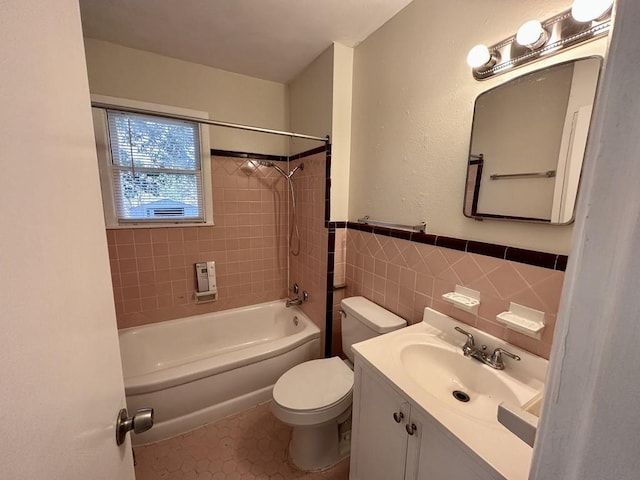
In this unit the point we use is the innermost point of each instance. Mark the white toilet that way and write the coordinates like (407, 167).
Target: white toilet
(315, 397)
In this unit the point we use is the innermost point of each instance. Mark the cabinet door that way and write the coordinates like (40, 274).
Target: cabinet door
(436, 455)
(379, 443)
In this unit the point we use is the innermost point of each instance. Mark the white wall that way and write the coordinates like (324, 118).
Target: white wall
(341, 131)
(320, 101)
(125, 72)
(311, 101)
(412, 110)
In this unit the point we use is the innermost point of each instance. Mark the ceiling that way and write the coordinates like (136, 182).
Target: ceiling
(269, 39)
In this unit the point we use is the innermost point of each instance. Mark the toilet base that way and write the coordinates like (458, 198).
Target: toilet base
(316, 448)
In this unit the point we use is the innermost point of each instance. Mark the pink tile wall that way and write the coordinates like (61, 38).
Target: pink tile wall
(153, 268)
(339, 291)
(336, 345)
(309, 268)
(405, 277)
(340, 259)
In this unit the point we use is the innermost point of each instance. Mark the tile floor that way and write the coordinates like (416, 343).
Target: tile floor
(250, 445)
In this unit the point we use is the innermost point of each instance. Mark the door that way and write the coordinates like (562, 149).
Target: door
(434, 453)
(379, 445)
(60, 376)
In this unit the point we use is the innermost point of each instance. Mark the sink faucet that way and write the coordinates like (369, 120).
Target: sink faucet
(494, 360)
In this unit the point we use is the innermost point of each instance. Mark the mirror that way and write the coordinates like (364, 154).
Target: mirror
(527, 144)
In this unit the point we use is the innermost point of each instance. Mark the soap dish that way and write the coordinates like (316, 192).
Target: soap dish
(205, 297)
(464, 299)
(522, 319)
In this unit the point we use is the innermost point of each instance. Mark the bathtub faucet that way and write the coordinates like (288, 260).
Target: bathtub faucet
(299, 300)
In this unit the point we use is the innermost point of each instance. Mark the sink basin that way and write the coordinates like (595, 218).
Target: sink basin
(461, 383)
(424, 364)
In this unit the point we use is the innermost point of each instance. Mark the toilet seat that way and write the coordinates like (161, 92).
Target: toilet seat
(313, 392)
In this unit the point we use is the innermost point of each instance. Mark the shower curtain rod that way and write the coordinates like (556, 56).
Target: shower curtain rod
(206, 121)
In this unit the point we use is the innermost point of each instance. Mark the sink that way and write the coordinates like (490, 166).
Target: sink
(424, 364)
(521, 421)
(459, 382)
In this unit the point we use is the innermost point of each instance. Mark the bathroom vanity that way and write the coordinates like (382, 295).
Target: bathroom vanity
(407, 422)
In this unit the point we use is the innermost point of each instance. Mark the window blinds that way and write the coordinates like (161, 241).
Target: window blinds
(156, 168)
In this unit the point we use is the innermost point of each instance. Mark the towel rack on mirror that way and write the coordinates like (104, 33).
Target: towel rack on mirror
(505, 176)
(421, 227)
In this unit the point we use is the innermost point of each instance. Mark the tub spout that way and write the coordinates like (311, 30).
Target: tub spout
(294, 302)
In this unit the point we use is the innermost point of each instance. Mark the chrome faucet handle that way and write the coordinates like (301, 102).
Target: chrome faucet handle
(496, 357)
(470, 344)
(470, 339)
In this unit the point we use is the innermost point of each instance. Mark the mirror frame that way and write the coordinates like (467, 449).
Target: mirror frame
(473, 159)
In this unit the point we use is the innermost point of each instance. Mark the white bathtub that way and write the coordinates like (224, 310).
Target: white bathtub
(195, 370)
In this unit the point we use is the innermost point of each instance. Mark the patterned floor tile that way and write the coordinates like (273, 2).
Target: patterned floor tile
(251, 445)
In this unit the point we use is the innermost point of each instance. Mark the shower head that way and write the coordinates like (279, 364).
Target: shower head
(266, 163)
(301, 167)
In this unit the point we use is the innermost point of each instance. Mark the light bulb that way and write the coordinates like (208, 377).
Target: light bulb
(589, 10)
(531, 34)
(478, 56)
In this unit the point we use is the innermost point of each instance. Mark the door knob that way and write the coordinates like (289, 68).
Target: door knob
(140, 422)
(411, 428)
(398, 416)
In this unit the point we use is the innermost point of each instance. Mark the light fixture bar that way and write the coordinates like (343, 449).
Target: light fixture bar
(564, 32)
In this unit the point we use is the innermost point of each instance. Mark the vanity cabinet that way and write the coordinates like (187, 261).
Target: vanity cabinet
(393, 439)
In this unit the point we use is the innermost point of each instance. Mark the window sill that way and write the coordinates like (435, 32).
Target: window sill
(159, 225)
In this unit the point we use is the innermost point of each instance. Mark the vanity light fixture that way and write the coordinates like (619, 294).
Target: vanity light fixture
(587, 20)
(532, 35)
(590, 10)
(479, 56)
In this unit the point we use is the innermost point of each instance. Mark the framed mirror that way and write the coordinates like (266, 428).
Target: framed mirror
(527, 144)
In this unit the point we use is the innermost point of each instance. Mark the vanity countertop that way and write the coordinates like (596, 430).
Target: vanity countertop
(475, 426)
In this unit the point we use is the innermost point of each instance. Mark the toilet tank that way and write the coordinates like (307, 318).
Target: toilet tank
(362, 319)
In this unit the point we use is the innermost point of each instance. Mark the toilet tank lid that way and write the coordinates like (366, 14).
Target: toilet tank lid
(372, 315)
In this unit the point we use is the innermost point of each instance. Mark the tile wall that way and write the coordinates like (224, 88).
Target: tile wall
(153, 268)
(340, 264)
(336, 329)
(339, 289)
(405, 277)
(309, 268)
(153, 274)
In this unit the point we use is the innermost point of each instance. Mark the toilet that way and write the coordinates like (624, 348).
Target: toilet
(315, 397)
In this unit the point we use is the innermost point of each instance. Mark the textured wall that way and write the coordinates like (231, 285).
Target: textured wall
(129, 73)
(311, 102)
(413, 101)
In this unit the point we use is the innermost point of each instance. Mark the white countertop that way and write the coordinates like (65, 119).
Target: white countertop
(491, 441)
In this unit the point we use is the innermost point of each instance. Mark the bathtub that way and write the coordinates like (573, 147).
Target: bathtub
(196, 370)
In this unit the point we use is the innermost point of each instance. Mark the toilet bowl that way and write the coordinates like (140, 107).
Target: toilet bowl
(315, 397)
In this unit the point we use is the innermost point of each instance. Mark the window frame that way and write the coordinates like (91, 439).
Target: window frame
(105, 163)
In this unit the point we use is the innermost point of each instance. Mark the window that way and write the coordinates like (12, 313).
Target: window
(151, 168)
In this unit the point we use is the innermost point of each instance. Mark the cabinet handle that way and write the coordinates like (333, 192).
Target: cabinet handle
(398, 416)
(411, 428)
